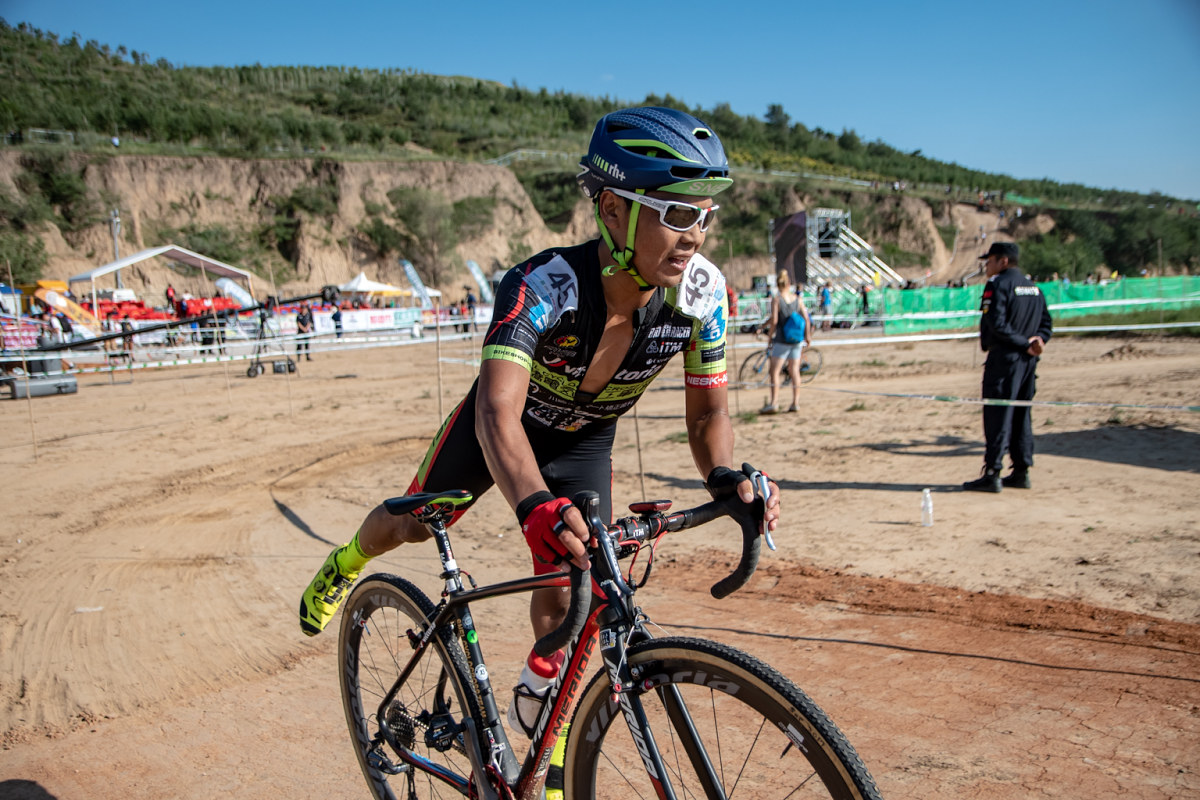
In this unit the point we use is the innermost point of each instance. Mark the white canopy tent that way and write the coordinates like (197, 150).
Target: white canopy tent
(361, 284)
(170, 251)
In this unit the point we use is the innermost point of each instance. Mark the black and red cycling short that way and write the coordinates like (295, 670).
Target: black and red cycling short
(569, 461)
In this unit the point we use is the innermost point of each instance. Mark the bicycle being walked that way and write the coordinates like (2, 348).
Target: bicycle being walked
(755, 371)
(669, 717)
(577, 335)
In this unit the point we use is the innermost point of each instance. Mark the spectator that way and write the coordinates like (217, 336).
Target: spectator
(783, 346)
(304, 329)
(471, 309)
(127, 340)
(54, 325)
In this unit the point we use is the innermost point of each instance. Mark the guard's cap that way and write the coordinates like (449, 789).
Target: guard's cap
(1007, 250)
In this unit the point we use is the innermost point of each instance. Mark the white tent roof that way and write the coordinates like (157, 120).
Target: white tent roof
(361, 283)
(170, 251)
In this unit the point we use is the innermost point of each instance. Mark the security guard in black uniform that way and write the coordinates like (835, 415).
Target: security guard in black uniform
(1013, 331)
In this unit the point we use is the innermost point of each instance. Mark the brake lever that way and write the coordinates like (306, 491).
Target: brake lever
(764, 488)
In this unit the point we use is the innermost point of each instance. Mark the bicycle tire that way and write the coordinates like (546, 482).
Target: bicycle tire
(754, 371)
(811, 362)
(373, 648)
(741, 710)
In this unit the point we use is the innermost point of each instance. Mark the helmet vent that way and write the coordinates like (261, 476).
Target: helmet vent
(702, 133)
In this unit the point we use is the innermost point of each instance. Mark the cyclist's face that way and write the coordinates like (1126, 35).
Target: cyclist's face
(660, 253)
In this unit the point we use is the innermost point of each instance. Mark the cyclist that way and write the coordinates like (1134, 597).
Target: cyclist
(577, 335)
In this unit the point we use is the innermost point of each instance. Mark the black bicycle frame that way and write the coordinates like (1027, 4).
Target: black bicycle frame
(614, 621)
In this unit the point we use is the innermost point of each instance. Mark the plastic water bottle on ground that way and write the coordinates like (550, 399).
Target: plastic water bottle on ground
(926, 508)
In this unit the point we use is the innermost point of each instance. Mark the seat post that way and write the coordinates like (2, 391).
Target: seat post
(450, 571)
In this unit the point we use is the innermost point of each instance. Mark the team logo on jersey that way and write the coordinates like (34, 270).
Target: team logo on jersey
(664, 348)
(707, 381)
(539, 317)
(714, 328)
(566, 342)
(627, 375)
(671, 331)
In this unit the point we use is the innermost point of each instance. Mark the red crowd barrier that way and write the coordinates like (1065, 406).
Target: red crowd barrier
(134, 309)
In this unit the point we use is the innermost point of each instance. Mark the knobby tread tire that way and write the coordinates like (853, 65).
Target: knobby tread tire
(755, 686)
(367, 596)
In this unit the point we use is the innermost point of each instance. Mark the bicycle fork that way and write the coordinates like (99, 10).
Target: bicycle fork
(630, 682)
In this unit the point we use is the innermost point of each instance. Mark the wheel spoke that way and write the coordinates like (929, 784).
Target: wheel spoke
(744, 731)
(425, 712)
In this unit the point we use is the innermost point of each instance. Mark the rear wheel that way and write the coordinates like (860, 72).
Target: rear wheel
(422, 723)
(811, 361)
(725, 725)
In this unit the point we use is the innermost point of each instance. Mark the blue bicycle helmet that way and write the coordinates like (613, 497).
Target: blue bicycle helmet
(651, 149)
(654, 149)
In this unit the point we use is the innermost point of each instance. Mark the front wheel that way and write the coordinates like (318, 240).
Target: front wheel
(724, 723)
(755, 371)
(421, 725)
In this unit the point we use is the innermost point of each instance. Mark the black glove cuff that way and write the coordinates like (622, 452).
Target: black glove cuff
(723, 481)
(526, 506)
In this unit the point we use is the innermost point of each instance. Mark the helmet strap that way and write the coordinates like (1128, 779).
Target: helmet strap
(624, 258)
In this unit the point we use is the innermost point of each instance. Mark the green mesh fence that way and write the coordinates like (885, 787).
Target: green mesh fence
(935, 308)
(939, 308)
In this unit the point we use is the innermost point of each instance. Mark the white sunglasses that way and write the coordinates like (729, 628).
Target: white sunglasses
(675, 215)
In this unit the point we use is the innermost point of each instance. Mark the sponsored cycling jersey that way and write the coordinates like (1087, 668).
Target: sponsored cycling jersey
(549, 317)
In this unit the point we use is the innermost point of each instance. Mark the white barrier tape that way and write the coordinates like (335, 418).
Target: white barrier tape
(992, 401)
(934, 337)
(346, 343)
(360, 342)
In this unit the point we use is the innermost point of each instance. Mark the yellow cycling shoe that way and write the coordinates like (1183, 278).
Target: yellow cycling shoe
(321, 599)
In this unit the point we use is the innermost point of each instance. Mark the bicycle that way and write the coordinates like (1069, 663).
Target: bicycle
(425, 723)
(755, 370)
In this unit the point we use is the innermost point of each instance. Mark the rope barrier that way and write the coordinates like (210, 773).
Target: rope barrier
(993, 401)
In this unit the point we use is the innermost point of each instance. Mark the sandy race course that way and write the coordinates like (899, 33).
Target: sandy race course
(1035, 643)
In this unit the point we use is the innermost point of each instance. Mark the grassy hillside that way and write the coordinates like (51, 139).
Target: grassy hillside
(346, 114)
(89, 88)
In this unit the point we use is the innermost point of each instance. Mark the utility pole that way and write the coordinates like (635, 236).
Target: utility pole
(115, 224)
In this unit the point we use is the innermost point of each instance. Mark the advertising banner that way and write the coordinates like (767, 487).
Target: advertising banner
(485, 287)
(417, 284)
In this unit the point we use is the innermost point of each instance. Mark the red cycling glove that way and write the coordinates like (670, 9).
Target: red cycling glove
(541, 527)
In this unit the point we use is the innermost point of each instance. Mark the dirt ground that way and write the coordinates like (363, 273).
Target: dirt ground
(1034, 643)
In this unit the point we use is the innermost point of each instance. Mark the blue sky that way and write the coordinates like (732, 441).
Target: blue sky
(1090, 91)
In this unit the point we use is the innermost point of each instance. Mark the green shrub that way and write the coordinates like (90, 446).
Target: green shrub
(24, 254)
(50, 179)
